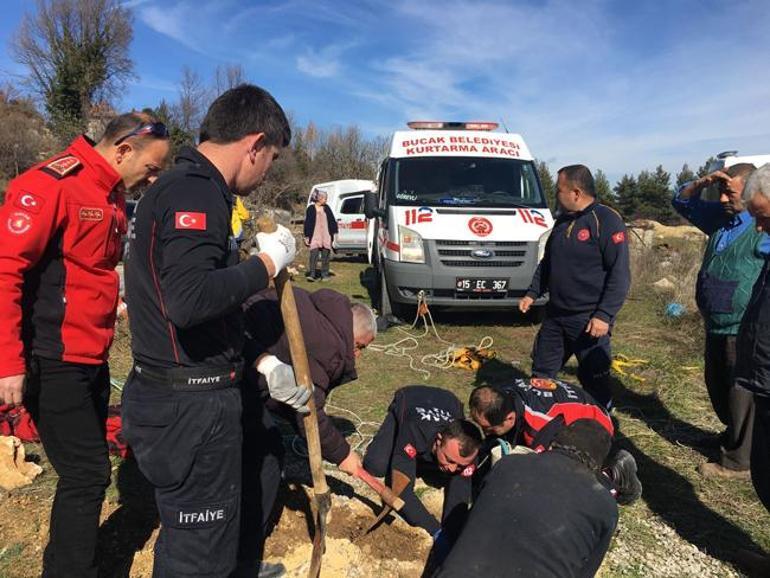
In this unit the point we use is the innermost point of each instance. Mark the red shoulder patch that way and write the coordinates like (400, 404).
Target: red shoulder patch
(619, 237)
(19, 223)
(63, 166)
(543, 384)
(410, 450)
(29, 202)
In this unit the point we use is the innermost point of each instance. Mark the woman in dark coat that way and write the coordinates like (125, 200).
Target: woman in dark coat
(319, 234)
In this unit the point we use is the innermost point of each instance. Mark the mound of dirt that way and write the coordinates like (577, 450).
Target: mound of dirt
(392, 549)
(652, 232)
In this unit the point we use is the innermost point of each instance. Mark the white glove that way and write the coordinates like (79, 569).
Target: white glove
(282, 384)
(280, 246)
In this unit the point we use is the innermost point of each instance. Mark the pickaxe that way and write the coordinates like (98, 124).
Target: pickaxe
(321, 492)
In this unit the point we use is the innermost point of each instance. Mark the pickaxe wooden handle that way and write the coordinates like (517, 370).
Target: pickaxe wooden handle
(321, 492)
(388, 497)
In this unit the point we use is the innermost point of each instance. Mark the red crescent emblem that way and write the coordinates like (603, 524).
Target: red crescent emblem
(480, 226)
(583, 235)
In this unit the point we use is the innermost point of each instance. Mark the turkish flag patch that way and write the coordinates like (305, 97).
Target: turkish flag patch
(619, 237)
(194, 221)
(29, 202)
(410, 451)
(468, 471)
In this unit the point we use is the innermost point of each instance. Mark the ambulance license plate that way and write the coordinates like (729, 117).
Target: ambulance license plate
(464, 285)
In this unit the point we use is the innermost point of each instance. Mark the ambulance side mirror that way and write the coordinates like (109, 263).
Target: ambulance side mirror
(371, 208)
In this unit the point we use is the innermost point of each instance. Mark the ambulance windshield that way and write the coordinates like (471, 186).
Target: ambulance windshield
(465, 182)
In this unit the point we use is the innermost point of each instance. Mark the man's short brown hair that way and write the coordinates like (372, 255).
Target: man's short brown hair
(466, 433)
(123, 124)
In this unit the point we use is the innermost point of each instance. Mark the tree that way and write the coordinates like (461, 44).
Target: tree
(655, 195)
(604, 192)
(227, 77)
(547, 182)
(24, 139)
(178, 136)
(77, 54)
(627, 195)
(704, 169)
(193, 102)
(684, 176)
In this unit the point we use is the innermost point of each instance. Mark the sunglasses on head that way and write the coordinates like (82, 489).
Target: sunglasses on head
(156, 129)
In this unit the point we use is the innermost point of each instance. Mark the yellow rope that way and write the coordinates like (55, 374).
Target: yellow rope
(451, 356)
(621, 362)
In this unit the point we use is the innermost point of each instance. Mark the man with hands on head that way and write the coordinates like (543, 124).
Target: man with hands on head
(585, 271)
(61, 230)
(733, 259)
(185, 287)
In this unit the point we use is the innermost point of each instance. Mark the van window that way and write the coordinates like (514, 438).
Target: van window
(352, 205)
(465, 182)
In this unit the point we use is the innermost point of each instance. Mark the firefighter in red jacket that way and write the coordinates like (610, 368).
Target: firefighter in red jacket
(61, 230)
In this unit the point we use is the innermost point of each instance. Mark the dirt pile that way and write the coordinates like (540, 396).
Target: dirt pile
(392, 549)
(652, 233)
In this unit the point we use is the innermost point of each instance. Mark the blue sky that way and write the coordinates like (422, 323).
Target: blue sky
(618, 85)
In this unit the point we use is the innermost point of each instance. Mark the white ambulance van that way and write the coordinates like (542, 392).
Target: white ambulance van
(725, 160)
(346, 200)
(459, 213)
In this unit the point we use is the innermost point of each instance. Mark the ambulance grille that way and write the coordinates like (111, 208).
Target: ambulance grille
(481, 263)
(467, 253)
(460, 253)
(490, 244)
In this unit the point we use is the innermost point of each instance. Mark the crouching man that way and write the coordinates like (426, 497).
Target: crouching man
(531, 413)
(335, 331)
(541, 514)
(424, 435)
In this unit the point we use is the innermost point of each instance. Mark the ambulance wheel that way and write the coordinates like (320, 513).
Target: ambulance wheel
(389, 309)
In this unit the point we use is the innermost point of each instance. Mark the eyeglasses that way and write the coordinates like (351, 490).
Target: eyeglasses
(156, 129)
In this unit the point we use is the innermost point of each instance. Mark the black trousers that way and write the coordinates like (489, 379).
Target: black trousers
(562, 336)
(311, 269)
(733, 405)
(760, 450)
(188, 446)
(263, 455)
(68, 403)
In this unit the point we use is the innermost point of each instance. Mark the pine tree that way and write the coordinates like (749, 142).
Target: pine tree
(627, 195)
(703, 170)
(547, 182)
(604, 192)
(684, 176)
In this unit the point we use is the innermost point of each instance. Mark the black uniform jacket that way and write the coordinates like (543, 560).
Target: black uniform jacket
(538, 515)
(585, 268)
(420, 412)
(184, 285)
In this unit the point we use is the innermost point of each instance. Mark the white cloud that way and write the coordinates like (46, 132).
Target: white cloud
(318, 65)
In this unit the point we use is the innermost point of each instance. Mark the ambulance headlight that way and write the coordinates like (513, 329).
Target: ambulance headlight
(541, 245)
(410, 244)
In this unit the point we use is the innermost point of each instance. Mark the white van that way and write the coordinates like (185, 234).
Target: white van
(459, 213)
(346, 200)
(725, 160)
